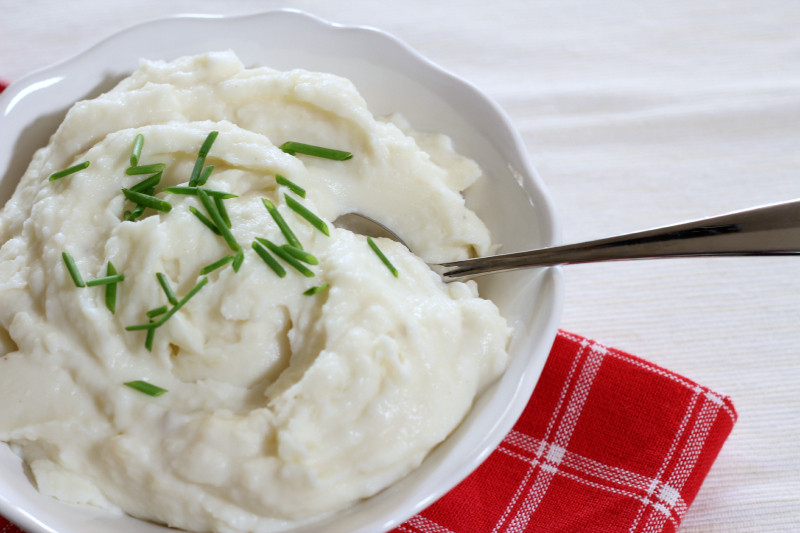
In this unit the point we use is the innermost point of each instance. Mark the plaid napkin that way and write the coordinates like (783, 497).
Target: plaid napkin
(608, 442)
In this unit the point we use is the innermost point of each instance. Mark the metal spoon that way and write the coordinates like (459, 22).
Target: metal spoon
(771, 230)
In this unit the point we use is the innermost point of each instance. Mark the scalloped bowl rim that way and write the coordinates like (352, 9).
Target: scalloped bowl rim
(52, 89)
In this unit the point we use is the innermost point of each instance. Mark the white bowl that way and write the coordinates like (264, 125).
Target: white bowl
(392, 78)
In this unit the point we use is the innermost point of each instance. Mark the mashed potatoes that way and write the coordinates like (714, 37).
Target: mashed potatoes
(286, 397)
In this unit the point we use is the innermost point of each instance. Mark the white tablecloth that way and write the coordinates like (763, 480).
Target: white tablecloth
(636, 113)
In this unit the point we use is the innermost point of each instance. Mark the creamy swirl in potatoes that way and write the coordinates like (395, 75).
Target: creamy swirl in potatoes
(191, 381)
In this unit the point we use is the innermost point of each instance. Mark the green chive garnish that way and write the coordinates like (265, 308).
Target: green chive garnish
(148, 185)
(200, 162)
(145, 169)
(293, 148)
(147, 201)
(288, 234)
(292, 186)
(145, 387)
(238, 260)
(207, 143)
(203, 178)
(269, 260)
(106, 280)
(136, 152)
(111, 289)
(73, 270)
(277, 250)
(199, 285)
(210, 225)
(162, 280)
(197, 170)
(216, 264)
(193, 191)
(383, 258)
(302, 255)
(216, 218)
(157, 311)
(314, 290)
(130, 216)
(303, 211)
(174, 309)
(149, 338)
(67, 171)
(220, 205)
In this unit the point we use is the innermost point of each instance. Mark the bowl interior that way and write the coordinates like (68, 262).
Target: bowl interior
(392, 78)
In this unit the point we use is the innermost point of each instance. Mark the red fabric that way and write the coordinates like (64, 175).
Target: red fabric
(607, 443)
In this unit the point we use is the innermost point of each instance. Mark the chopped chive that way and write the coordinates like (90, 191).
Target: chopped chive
(145, 169)
(288, 234)
(149, 338)
(148, 185)
(145, 387)
(206, 147)
(303, 211)
(140, 327)
(269, 260)
(157, 311)
(147, 201)
(238, 260)
(383, 258)
(203, 178)
(111, 289)
(136, 152)
(151, 333)
(193, 191)
(194, 290)
(210, 225)
(314, 290)
(216, 264)
(67, 171)
(277, 250)
(174, 309)
(130, 216)
(293, 148)
(199, 163)
(164, 282)
(217, 219)
(106, 280)
(302, 255)
(73, 270)
(220, 205)
(292, 186)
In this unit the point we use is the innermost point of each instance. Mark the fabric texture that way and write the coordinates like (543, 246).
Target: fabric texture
(608, 442)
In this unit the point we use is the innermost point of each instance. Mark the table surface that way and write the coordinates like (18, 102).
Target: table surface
(636, 113)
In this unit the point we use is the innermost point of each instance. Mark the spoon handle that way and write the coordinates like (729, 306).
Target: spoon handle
(769, 230)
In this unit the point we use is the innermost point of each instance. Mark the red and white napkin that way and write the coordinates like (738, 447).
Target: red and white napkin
(607, 443)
